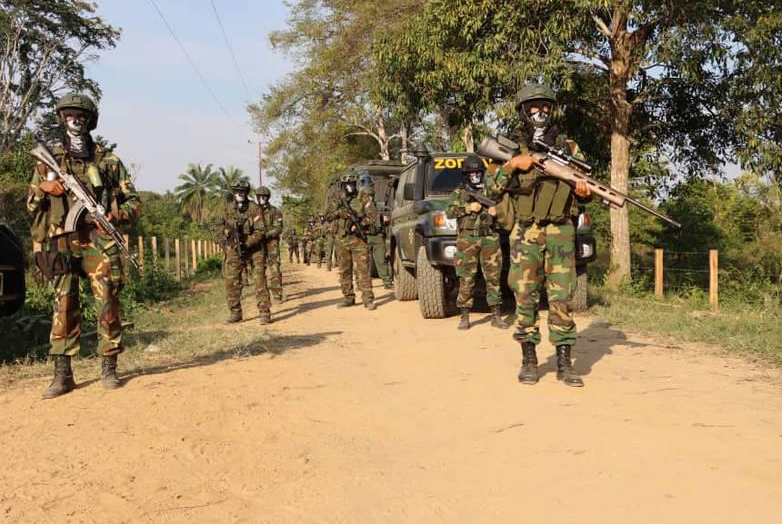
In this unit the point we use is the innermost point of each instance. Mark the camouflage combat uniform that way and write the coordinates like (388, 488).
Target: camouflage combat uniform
(272, 218)
(293, 245)
(330, 240)
(306, 243)
(320, 242)
(377, 246)
(251, 227)
(478, 242)
(90, 253)
(542, 247)
(352, 250)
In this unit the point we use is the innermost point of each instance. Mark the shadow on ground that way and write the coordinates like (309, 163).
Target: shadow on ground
(594, 343)
(272, 345)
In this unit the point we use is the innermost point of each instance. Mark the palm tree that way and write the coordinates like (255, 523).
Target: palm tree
(196, 191)
(229, 177)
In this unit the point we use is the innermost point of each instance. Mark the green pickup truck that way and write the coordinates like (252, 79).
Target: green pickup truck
(422, 239)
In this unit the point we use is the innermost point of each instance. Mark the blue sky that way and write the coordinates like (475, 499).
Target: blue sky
(155, 107)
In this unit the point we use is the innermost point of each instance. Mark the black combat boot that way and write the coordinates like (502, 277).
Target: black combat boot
(62, 382)
(108, 373)
(234, 317)
(529, 364)
(347, 302)
(370, 305)
(464, 319)
(565, 371)
(265, 318)
(496, 318)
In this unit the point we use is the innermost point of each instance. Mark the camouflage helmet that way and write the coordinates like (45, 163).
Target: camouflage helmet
(348, 177)
(241, 185)
(78, 101)
(473, 164)
(535, 92)
(263, 191)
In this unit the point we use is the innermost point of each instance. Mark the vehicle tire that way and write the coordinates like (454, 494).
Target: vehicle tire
(580, 293)
(404, 281)
(432, 289)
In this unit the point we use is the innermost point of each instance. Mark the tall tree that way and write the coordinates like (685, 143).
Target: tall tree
(642, 71)
(44, 45)
(196, 191)
(227, 178)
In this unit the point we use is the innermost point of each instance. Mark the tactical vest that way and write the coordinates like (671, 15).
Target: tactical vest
(540, 198)
(101, 178)
(475, 224)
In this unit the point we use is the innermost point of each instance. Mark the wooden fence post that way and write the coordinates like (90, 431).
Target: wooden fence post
(714, 281)
(659, 290)
(141, 252)
(193, 253)
(167, 249)
(154, 252)
(178, 262)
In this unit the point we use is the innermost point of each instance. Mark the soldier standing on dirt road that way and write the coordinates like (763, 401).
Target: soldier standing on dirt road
(478, 243)
(88, 252)
(352, 250)
(292, 238)
(543, 238)
(273, 224)
(244, 230)
(375, 236)
(307, 240)
(320, 239)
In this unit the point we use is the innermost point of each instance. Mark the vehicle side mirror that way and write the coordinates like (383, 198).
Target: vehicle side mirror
(409, 192)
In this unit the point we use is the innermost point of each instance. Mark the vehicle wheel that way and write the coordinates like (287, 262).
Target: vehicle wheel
(580, 294)
(404, 281)
(432, 288)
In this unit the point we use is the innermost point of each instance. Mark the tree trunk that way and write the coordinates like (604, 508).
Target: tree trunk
(404, 139)
(621, 66)
(620, 220)
(382, 136)
(467, 138)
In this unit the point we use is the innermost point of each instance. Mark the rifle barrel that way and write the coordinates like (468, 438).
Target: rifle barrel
(655, 213)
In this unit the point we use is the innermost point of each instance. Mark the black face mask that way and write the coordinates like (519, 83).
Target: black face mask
(81, 147)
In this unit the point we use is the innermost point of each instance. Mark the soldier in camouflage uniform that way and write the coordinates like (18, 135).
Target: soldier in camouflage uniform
(375, 236)
(351, 249)
(307, 240)
(330, 241)
(478, 242)
(293, 245)
(244, 231)
(88, 252)
(272, 218)
(320, 239)
(543, 238)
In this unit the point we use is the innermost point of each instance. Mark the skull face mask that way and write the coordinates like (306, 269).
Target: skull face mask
(475, 179)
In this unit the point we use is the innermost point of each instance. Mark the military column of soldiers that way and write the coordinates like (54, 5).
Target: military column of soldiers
(539, 210)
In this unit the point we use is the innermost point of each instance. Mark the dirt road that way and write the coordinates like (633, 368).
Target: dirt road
(334, 423)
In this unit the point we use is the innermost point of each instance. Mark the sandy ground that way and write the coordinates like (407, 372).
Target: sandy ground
(381, 416)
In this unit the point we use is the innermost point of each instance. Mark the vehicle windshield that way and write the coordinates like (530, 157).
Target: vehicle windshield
(443, 175)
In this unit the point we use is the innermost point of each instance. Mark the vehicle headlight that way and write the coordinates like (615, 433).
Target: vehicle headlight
(441, 221)
(449, 251)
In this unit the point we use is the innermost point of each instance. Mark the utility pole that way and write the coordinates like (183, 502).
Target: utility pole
(260, 163)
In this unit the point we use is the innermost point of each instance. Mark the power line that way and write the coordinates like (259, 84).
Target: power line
(230, 49)
(192, 64)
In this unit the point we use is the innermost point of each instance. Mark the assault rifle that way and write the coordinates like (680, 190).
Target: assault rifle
(236, 238)
(85, 202)
(353, 220)
(556, 163)
(479, 197)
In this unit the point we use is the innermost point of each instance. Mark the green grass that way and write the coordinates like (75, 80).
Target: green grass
(187, 331)
(753, 330)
